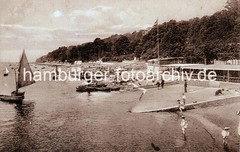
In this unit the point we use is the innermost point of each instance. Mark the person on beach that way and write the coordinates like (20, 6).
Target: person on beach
(184, 98)
(89, 92)
(180, 105)
(184, 125)
(162, 83)
(143, 92)
(219, 92)
(185, 86)
(225, 135)
(158, 84)
(238, 113)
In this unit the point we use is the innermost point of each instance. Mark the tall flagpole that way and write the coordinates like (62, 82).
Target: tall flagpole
(158, 41)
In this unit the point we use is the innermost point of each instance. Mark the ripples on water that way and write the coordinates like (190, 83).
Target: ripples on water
(57, 122)
(15, 126)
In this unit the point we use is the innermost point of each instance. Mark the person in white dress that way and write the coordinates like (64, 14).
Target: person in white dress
(184, 125)
(225, 134)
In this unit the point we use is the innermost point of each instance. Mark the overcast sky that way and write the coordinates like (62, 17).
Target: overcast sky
(42, 26)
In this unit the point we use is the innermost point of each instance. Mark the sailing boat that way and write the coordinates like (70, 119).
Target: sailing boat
(6, 72)
(17, 96)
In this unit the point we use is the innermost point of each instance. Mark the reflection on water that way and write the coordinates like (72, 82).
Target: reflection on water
(25, 111)
(21, 139)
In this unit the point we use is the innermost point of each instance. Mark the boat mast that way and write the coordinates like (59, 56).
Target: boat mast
(16, 82)
(158, 44)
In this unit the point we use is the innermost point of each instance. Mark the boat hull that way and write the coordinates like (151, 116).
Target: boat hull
(11, 99)
(18, 94)
(96, 88)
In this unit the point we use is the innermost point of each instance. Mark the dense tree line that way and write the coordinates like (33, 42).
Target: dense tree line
(198, 40)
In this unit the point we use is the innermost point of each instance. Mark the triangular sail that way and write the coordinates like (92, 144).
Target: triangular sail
(6, 70)
(24, 66)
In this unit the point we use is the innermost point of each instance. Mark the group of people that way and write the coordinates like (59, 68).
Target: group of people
(184, 124)
(181, 106)
(225, 131)
(181, 103)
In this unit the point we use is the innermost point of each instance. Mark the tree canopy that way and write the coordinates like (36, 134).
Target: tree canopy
(198, 39)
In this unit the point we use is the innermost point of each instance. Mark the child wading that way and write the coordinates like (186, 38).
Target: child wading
(184, 126)
(225, 135)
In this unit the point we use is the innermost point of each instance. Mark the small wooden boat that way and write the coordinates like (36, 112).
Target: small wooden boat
(14, 93)
(85, 88)
(104, 89)
(97, 87)
(115, 88)
(21, 81)
(14, 99)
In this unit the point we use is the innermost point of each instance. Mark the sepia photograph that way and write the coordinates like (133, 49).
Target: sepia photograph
(120, 76)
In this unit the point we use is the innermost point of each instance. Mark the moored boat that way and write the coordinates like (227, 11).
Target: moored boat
(21, 81)
(97, 87)
(14, 99)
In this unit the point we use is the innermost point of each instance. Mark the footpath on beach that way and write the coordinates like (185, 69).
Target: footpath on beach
(165, 99)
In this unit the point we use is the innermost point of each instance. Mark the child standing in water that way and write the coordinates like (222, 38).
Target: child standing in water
(184, 125)
(225, 135)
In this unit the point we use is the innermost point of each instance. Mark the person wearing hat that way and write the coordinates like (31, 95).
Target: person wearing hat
(225, 135)
(183, 125)
(238, 113)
